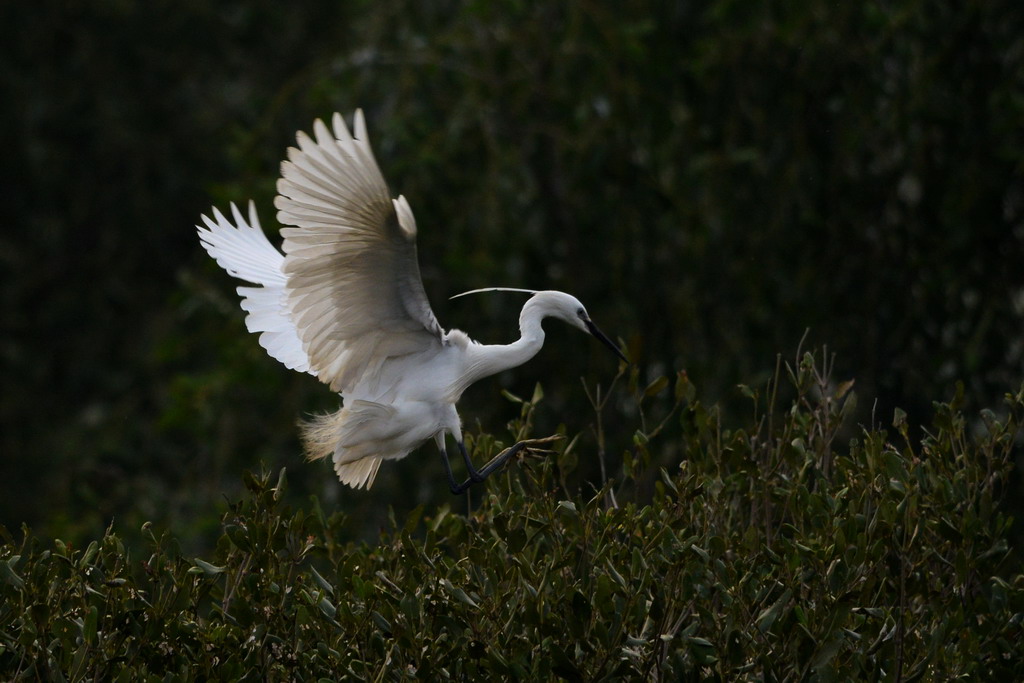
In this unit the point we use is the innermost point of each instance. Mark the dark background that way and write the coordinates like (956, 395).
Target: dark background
(712, 179)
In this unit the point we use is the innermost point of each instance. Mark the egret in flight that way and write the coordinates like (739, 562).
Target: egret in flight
(345, 303)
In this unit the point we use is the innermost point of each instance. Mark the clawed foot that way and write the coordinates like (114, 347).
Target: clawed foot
(528, 446)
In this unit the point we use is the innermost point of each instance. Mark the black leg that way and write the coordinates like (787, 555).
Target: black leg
(476, 476)
(452, 484)
(497, 461)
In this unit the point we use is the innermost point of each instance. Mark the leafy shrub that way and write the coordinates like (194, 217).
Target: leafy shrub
(770, 552)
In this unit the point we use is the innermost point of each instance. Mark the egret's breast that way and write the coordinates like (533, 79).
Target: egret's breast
(429, 377)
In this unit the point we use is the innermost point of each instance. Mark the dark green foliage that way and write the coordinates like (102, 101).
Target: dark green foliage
(778, 551)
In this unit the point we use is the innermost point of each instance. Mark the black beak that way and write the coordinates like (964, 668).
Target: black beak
(605, 340)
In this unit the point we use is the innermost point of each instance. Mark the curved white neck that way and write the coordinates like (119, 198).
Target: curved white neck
(530, 329)
(484, 360)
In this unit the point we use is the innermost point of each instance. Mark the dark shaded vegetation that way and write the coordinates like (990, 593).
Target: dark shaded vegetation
(776, 551)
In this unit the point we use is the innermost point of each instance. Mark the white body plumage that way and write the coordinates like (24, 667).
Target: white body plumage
(345, 303)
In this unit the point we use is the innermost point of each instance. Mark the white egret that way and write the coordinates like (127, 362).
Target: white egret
(345, 303)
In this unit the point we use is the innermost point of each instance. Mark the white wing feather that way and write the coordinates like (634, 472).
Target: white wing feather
(353, 281)
(242, 249)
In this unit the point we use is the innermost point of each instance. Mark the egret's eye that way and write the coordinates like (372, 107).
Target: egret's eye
(581, 313)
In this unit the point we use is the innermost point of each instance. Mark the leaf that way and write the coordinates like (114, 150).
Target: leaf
(511, 397)
(413, 518)
(899, 417)
(827, 652)
(667, 479)
(239, 536)
(209, 569)
(1000, 547)
(656, 387)
(381, 622)
(459, 594)
(90, 553)
(8, 574)
(844, 387)
(89, 628)
(700, 551)
(321, 581)
(327, 607)
(769, 615)
(569, 507)
(281, 482)
(684, 389)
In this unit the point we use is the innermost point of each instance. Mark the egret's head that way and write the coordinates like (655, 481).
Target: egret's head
(568, 308)
(554, 304)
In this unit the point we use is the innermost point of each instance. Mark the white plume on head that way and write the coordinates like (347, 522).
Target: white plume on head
(495, 289)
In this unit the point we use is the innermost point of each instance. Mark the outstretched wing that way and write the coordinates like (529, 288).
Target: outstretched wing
(242, 249)
(353, 281)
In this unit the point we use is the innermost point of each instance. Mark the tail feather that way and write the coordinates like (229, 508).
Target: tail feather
(336, 434)
(320, 434)
(359, 473)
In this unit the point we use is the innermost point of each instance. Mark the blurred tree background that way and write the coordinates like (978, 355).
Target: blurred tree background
(712, 178)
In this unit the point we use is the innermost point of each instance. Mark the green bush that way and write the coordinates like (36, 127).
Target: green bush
(794, 547)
